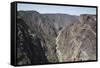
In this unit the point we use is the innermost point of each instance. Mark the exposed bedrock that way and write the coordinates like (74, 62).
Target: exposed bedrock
(51, 38)
(77, 42)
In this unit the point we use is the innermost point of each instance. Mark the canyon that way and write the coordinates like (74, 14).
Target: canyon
(53, 38)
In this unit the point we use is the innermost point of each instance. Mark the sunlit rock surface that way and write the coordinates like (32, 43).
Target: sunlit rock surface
(51, 38)
(77, 42)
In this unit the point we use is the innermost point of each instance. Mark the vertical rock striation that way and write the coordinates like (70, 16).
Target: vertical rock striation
(51, 38)
(77, 42)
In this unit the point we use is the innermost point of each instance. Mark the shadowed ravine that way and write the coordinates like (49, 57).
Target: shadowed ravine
(29, 48)
(51, 38)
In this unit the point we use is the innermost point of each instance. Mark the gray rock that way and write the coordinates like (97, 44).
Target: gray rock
(51, 38)
(77, 42)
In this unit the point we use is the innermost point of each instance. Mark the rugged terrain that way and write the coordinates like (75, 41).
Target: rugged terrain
(51, 38)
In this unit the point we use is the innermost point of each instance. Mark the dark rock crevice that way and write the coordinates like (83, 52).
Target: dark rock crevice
(29, 47)
(52, 38)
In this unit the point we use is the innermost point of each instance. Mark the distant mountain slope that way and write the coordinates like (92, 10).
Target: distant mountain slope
(60, 20)
(51, 38)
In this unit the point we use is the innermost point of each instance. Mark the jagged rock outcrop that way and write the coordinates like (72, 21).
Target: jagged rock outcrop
(51, 38)
(29, 47)
(77, 42)
(43, 30)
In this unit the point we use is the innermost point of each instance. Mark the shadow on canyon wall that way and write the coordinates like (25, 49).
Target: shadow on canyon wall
(51, 38)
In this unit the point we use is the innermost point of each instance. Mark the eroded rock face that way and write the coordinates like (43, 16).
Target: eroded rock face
(29, 47)
(77, 42)
(41, 36)
(51, 38)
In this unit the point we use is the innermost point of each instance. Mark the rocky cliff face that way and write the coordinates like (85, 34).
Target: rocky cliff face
(29, 47)
(77, 42)
(51, 38)
(43, 36)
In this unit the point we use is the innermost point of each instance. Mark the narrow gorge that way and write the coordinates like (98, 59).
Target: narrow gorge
(52, 38)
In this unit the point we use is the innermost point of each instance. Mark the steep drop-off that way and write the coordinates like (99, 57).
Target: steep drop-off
(51, 38)
(77, 42)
